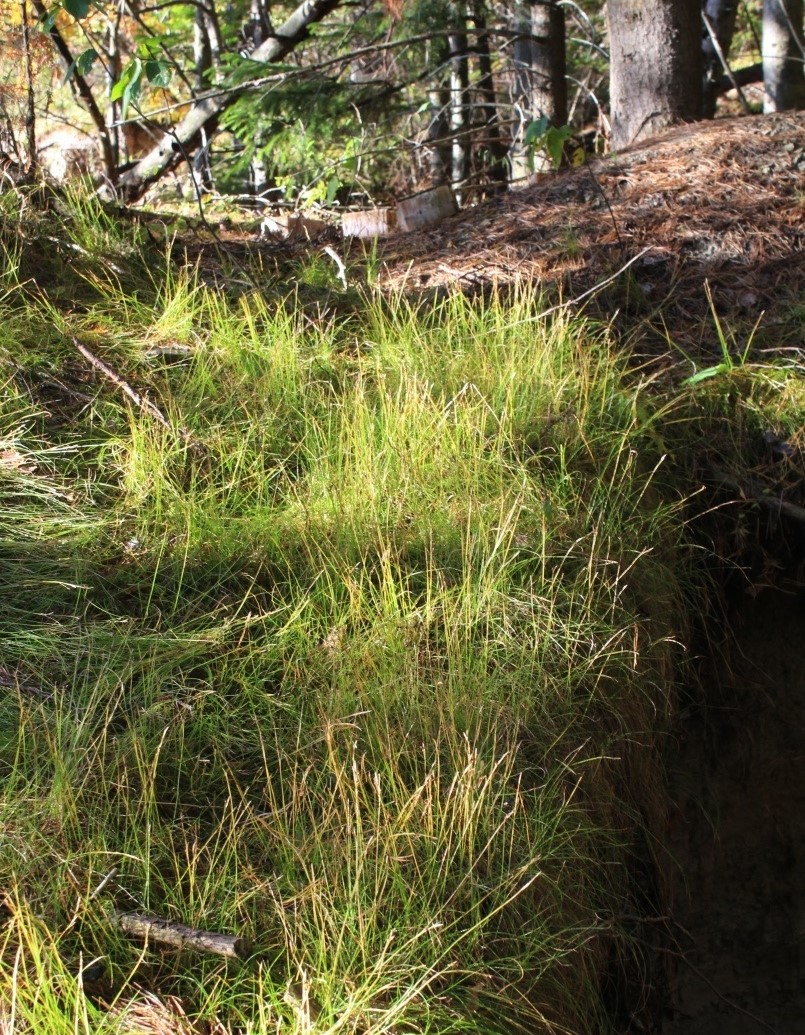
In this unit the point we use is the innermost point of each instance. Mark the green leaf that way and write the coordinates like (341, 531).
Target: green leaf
(555, 139)
(48, 20)
(129, 94)
(706, 374)
(536, 130)
(332, 189)
(158, 72)
(127, 88)
(85, 61)
(77, 8)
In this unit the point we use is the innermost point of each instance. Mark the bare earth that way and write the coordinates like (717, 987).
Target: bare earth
(738, 841)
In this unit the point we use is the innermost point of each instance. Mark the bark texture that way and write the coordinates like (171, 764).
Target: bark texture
(494, 148)
(540, 76)
(783, 54)
(655, 66)
(459, 105)
(179, 936)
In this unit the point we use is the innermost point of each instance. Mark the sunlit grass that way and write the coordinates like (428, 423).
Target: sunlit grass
(362, 654)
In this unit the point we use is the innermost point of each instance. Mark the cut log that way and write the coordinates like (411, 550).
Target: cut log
(375, 222)
(180, 936)
(431, 206)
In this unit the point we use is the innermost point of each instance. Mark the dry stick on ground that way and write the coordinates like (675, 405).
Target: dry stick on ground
(585, 294)
(136, 397)
(169, 932)
(751, 491)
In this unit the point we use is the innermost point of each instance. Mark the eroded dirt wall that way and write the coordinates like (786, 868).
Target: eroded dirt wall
(738, 835)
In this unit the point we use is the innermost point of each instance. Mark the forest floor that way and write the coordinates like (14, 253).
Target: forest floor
(718, 201)
(449, 652)
(704, 221)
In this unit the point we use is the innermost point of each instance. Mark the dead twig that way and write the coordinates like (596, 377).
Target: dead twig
(585, 294)
(136, 397)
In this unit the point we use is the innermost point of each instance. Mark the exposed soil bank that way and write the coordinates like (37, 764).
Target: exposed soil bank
(738, 836)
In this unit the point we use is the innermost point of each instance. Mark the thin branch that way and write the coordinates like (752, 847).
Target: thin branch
(102, 883)
(724, 64)
(743, 77)
(307, 70)
(136, 397)
(585, 294)
(173, 3)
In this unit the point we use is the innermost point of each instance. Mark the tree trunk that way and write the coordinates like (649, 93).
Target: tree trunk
(655, 66)
(783, 81)
(521, 101)
(548, 61)
(112, 67)
(721, 16)
(206, 56)
(259, 27)
(202, 50)
(493, 145)
(204, 113)
(459, 107)
(30, 107)
(540, 77)
(439, 124)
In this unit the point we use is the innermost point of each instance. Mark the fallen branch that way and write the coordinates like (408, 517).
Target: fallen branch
(741, 77)
(136, 397)
(751, 491)
(585, 294)
(180, 936)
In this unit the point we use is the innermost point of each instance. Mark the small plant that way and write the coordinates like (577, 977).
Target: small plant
(558, 141)
(728, 361)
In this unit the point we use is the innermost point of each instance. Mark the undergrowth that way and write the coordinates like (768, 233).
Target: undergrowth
(361, 649)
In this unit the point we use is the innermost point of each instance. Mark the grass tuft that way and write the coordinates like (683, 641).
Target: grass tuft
(373, 675)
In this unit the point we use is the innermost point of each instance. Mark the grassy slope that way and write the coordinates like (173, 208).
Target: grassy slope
(371, 672)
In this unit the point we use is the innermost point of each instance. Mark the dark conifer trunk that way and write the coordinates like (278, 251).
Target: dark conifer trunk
(720, 15)
(655, 66)
(493, 144)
